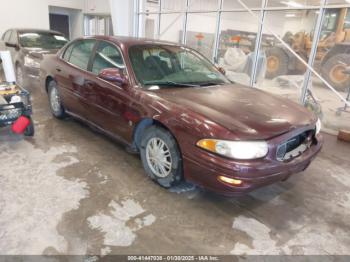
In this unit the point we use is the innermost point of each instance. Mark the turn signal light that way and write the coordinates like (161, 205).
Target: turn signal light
(207, 144)
(231, 181)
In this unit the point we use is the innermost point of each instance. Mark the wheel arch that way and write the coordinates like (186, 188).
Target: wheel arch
(47, 81)
(141, 127)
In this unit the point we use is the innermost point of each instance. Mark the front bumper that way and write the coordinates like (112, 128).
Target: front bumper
(203, 168)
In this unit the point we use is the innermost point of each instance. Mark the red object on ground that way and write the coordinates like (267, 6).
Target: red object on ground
(20, 125)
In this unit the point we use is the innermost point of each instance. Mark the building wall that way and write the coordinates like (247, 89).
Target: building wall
(35, 13)
(22, 13)
(97, 7)
(76, 19)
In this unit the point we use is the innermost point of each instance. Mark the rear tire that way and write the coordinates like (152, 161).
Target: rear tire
(161, 157)
(277, 62)
(56, 106)
(332, 71)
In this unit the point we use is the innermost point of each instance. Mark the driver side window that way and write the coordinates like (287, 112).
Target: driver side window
(107, 56)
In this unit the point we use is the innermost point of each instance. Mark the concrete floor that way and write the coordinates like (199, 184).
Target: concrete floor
(69, 190)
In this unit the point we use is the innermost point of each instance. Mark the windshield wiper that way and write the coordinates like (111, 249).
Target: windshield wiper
(169, 83)
(211, 84)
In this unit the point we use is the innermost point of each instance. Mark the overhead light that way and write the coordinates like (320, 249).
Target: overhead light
(292, 4)
(290, 15)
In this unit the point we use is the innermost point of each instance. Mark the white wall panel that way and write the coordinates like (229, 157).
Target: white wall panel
(35, 13)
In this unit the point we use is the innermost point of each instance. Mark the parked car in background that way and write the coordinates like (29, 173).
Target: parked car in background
(27, 47)
(181, 113)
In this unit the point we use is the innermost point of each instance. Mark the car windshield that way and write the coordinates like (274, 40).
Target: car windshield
(168, 66)
(44, 40)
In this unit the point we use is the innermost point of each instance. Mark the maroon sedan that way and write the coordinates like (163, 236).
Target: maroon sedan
(184, 117)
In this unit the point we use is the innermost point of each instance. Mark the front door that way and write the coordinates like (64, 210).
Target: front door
(110, 103)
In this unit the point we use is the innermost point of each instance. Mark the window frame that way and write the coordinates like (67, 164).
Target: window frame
(95, 50)
(92, 57)
(73, 43)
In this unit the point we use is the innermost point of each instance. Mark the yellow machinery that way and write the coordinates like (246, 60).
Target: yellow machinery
(333, 51)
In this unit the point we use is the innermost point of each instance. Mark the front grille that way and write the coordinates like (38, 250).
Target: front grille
(294, 146)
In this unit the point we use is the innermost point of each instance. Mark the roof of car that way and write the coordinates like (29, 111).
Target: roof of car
(35, 30)
(129, 41)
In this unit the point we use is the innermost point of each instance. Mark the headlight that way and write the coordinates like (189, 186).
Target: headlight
(235, 149)
(30, 62)
(318, 126)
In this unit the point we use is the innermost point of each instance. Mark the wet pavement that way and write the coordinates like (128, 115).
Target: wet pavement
(70, 190)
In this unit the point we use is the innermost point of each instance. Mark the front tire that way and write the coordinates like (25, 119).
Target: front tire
(161, 157)
(30, 128)
(56, 106)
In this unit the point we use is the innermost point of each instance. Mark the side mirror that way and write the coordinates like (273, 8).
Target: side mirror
(11, 45)
(113, 75)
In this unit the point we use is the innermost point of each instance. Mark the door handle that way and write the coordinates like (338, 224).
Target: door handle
(58, 69)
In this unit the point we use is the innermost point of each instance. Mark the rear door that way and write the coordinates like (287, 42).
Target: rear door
(72, 74)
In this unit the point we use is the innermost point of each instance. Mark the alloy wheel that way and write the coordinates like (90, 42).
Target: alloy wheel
(55, 100)
(158, 157)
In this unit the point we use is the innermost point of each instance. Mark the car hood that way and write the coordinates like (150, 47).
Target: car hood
(39, 53)
(247, 112)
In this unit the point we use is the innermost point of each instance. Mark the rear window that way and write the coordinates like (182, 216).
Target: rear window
(81, 53)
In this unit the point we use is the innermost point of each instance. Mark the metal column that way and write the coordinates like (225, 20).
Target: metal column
(318, 29)
(136, 18)
(159, 17)
(217, 32)
(258, 43)
(184, 27)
